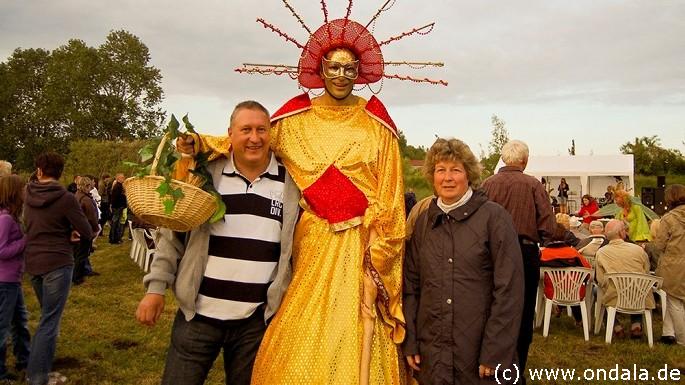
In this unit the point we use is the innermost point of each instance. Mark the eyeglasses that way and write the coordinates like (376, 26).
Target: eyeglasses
(333, 69)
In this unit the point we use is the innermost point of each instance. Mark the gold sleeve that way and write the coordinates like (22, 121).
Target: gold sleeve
(216, 145)
(387, 220)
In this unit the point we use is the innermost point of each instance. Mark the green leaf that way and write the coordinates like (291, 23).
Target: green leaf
(172, 127)
(169, 206)
(189, 127)
(163, 189)
(220, 209)
(146, 153)
(131, 164)
(177, 193)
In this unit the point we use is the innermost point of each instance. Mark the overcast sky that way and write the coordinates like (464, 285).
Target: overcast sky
(600, 72)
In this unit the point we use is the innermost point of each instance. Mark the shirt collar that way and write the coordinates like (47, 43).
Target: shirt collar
(510, 169)
(272, 168)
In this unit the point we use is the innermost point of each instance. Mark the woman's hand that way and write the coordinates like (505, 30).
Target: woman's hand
(414, 361)
(485, 371)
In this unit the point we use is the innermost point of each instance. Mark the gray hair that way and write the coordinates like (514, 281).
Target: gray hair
(614, 228)
(596, 225)
(514, 152)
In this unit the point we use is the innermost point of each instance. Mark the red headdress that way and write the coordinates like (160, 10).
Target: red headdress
(341, 33)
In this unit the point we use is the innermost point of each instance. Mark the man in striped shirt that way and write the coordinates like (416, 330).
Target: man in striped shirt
(232, 274)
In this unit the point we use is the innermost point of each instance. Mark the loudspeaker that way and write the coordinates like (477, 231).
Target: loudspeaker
(661, 181)
(648, 197)
(660, 201)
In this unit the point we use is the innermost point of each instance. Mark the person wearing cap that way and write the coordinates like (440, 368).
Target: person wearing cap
(341, 319)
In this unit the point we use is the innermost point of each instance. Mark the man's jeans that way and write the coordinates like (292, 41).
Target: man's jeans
(14, 321)
(196, 344)
(52, 290)
(117, 229)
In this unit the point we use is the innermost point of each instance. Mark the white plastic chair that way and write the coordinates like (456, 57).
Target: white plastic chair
(632, 290)
(567, 282)
(135, 246)
(145, 254)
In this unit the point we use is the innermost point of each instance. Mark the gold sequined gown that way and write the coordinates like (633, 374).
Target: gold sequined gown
(316, 336)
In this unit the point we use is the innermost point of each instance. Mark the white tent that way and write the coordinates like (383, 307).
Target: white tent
(585, 174)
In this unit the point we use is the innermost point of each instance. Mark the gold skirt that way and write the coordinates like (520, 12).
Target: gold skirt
(316, 335)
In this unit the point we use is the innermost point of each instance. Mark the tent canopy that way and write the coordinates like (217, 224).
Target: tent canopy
(585, 174)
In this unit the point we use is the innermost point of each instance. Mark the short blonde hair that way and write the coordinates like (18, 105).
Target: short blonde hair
(564, 219)
(5, 168)
(85, 184)
(514, 152)
(452, 150)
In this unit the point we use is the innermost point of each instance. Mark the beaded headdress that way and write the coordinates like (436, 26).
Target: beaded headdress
(342, 33)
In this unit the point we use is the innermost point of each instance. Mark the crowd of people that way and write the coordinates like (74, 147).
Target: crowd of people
(47, 231)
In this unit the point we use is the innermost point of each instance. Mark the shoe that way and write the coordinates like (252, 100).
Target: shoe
(93, 273)
(56, 378)
(636, 332)
(78, 281)
(579, 324)
(556, 311)
(619, 332)
(668, 340)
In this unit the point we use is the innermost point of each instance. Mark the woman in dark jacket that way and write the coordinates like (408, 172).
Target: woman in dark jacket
(463, 283)
(83, 248)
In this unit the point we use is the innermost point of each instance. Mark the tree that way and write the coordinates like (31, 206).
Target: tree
(23, 123)
(572, 149)
(651, 159)
(407, 151)
(49, 99)
(500, 136)
(92, 156)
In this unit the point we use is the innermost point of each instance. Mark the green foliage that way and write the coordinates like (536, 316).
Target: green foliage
(92, 156)
(416, 181)
(500, 136)
(651, 158)
(166, 162)
(50, 99)
(408, 151)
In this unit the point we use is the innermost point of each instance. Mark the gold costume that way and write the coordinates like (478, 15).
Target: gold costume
(316, 336)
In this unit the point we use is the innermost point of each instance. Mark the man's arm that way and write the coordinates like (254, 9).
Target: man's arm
(161, 276)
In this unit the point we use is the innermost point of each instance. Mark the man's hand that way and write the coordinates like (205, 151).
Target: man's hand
(485, 371)
(414, 361)
(149, 309)
(185, 144)
(75, 237)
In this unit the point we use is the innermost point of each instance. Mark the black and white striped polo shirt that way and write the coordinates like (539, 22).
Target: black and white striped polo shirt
(244, 248)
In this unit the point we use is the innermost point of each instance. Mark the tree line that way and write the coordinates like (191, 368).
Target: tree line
(49, 99)
(108, 97)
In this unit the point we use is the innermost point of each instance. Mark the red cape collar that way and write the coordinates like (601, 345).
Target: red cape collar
(301, 103)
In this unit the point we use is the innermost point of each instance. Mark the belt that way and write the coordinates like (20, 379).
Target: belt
(525, 241)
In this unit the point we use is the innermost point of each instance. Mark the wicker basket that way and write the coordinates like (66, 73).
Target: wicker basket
(194, 209)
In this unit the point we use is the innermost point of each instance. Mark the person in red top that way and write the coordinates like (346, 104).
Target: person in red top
(587, 208)
(558, 253)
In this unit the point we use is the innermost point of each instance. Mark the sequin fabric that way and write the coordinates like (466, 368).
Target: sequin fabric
(335, 198)
(316, 336)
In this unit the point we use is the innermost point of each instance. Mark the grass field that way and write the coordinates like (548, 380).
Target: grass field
(101, 343)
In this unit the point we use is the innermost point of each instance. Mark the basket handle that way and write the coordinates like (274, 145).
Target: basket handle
(153, 169)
